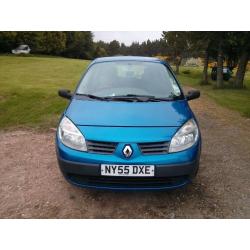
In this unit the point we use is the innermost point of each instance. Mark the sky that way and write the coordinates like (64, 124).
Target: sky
(126, 37)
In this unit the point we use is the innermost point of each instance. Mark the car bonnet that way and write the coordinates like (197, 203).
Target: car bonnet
(128, 114)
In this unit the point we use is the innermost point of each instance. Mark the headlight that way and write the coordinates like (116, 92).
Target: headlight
(70, 135)
(185, 137)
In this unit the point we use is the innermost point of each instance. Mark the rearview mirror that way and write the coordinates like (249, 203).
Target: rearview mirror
(65, 93)
(193, 94)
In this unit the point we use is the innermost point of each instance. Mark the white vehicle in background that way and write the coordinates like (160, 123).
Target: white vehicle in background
(21, 49)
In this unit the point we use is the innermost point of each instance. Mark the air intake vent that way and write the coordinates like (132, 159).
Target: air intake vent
(154, 148)
(101, 147)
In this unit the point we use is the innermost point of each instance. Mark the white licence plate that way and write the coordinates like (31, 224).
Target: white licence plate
(128, 170)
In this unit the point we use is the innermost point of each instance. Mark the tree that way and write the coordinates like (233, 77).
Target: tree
(69, 44)
(219, 81)
(240, 74)
(202, 45)
(146, 48)
(123, 49)
(243, 45)
(10, 40)
(114, 48)
(100, 51)
(178, 41)
(45, 42)
(230, 46)
(7, 41)
(31, 38)
(79, 44)
(53, 43)
(134, 49)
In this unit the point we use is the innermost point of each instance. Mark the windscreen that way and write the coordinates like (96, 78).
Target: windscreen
(129, 78)
(22, 47)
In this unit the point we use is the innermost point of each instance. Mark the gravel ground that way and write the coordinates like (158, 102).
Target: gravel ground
(31, 185)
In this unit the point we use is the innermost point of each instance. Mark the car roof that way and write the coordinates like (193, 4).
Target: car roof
(127, 58)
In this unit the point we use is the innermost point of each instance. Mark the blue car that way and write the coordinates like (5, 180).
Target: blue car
(128, 126)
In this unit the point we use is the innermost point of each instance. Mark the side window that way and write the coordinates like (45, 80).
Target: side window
(174, 84)
(177, 91)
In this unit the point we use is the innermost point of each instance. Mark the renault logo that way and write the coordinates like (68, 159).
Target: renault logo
(127, 151)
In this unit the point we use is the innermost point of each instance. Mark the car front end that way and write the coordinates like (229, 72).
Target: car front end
(171, 170)
(128, 144)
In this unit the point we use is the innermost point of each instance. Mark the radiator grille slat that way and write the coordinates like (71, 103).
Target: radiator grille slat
(101, 147)
(154, 148)
(110, 147)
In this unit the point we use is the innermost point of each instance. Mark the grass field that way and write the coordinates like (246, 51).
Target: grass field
(28, 89)
(29, 85)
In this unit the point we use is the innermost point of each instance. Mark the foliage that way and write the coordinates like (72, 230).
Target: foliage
(179, 42)
(225, 47)
(54, 43)
(74, 44)
(100, 51)
(236, 99)
(114, 48)
(7, 41)
(147, 48)
(79, 44)
(186, 72)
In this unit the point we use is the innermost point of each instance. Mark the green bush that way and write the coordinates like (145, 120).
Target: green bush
(186, 72)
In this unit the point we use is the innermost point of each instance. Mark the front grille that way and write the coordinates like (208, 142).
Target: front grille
(126, 181)
(101, 147)
(154, 148)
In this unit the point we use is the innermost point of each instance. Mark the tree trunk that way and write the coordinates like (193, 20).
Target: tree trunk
(219, 82)
(177, 70)
(240, 74)
(177, 65)
(205, 76)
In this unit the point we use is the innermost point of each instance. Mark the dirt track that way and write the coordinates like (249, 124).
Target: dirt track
(31, 185)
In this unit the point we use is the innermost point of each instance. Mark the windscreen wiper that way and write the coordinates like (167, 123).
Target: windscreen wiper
(93, 96)
(143, 98)
(130, 97)
(107, 98)
(163, 99)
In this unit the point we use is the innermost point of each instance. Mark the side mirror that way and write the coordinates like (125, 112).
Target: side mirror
(65, 93)
(193, 94)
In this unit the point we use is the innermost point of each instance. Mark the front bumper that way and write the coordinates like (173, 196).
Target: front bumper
(172, 171)
(166, 176)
